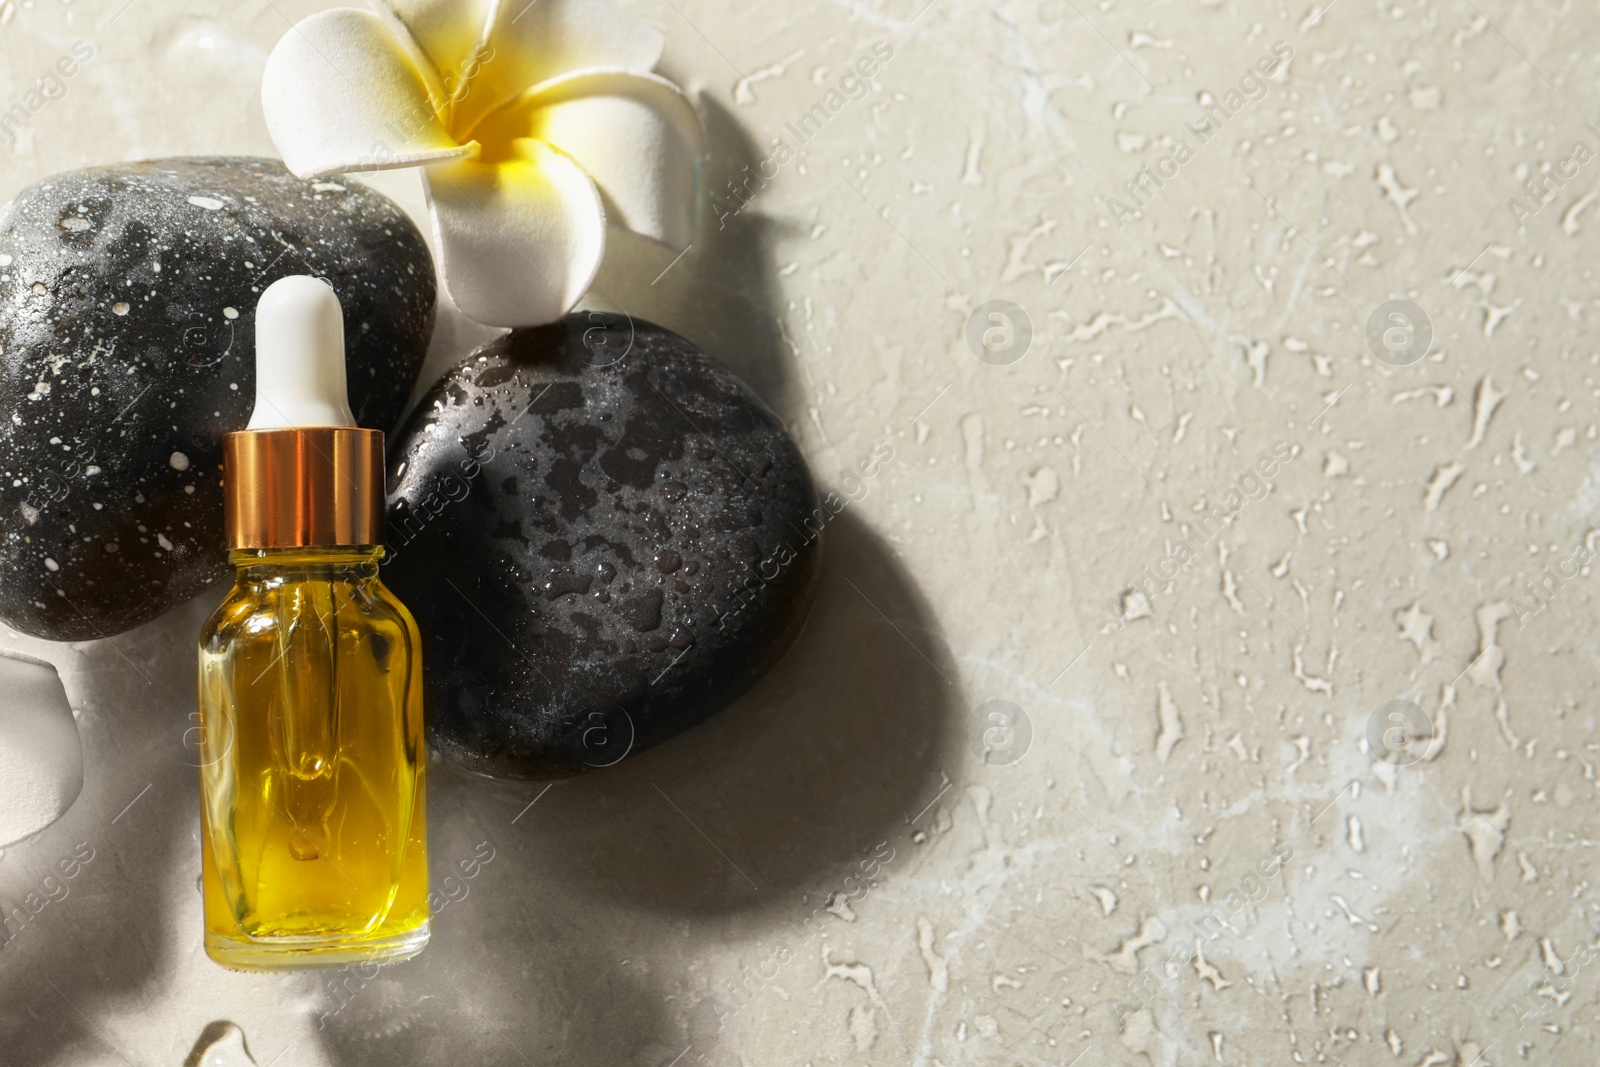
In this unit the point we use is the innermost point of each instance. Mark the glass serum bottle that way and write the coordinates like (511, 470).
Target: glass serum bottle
(313, 836)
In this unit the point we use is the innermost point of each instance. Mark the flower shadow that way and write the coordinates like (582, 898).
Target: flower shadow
(722, 294)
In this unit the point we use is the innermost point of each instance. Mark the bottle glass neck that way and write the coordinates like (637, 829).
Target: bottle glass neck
(330, 563)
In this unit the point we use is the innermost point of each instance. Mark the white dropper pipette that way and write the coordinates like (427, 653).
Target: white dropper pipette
(300, 378)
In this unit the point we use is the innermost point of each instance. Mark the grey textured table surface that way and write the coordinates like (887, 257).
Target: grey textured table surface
(1436, 907)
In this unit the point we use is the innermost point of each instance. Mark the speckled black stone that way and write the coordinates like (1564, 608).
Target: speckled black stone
(599, 556)
(127, 327)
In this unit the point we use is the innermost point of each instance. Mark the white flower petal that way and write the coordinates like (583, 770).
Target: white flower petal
(447, 31)
(532, 41)
(520, 240)
(341, 92)
(41, 760)
(636, 135)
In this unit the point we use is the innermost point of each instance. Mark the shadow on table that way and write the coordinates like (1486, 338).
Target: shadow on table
(105, 938)
(835, 749)
(569, 944)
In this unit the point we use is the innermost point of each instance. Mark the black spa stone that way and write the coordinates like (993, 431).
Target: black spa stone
(127, 324)
(605, 537)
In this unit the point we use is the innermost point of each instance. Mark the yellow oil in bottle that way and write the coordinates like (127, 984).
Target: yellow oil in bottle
(313, 835)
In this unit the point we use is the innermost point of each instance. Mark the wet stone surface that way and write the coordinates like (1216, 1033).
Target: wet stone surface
(127, 324)
(605, 537)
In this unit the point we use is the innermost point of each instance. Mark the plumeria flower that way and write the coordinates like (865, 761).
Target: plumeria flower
(534, 121)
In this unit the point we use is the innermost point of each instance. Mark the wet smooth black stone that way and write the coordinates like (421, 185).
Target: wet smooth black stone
(127, 325)
(605, 537)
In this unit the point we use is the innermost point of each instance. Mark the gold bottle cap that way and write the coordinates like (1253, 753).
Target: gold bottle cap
(302, 487)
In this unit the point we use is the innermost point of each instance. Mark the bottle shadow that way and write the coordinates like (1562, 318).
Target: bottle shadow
(516, 970)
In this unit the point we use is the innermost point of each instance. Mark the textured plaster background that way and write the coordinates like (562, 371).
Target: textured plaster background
(1436, 907)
